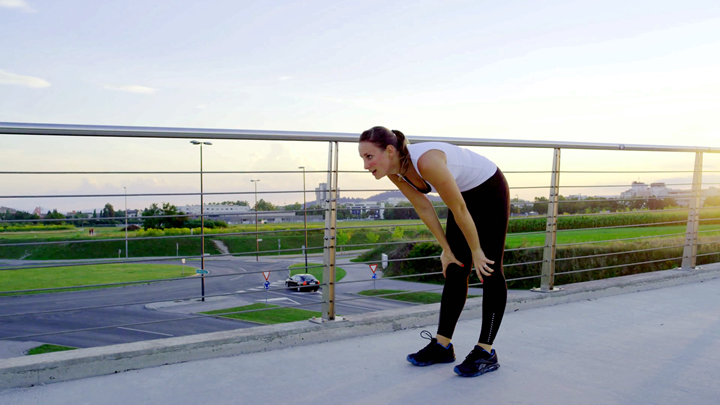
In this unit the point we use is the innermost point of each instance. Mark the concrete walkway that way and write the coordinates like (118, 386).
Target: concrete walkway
(652, 347)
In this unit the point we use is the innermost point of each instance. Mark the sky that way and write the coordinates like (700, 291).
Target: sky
(640, 72)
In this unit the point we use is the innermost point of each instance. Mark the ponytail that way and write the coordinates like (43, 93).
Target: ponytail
(403, 152)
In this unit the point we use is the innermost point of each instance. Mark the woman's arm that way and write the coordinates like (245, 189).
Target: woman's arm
(427, 213)
(433, 168)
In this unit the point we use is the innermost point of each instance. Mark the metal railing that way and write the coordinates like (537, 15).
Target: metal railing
(546, 262)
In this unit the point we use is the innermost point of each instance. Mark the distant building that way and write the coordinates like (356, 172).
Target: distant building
(6, 210)
(397, 200)
(215, 209)
(322, 193)
(377, 208)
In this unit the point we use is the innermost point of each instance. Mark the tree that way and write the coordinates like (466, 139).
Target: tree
(541, 205)
(108, 211)
(163, 223)
(263, 205)
(295, 207)
(712, 201)
(55, 215)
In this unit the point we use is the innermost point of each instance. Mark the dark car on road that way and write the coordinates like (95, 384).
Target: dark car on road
(303, 282)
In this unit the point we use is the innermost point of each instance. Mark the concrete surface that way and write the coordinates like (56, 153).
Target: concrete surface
(660, 346)
(54, 367)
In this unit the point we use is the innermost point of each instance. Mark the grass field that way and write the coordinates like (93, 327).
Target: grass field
(595, 235)
(53, 277)
(48, 349)
(316, 271)
(269, 317)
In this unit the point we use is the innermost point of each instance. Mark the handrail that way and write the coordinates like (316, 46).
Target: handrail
(19, 128)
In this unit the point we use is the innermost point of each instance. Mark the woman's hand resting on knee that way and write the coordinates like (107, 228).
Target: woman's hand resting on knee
(447, 258)
(482, 264)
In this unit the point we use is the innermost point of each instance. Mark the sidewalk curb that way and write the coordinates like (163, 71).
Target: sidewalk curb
(82, 363)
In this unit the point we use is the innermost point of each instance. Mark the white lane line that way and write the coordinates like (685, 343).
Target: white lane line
(145, 331)
(235, 278)
(280, 299)
(240, 292)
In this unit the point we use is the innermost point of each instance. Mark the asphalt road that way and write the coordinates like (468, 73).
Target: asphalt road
(118, 310)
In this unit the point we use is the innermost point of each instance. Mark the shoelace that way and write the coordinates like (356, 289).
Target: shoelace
(474, 355)
(426, 335)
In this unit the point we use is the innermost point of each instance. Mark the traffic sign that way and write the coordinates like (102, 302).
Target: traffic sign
(266, 274)
(374, 276)
(201, 271)
(267, 285)
(373, 267)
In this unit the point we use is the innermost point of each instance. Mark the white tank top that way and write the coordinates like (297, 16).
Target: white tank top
(467, 167)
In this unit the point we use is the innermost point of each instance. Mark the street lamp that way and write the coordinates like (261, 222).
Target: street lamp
(126, 225)
(202, 214)
(257, 242)
(305, 214)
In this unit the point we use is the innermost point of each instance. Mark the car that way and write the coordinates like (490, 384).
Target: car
(303, 282)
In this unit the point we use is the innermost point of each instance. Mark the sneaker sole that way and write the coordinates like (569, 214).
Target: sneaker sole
(480, 372)
(429, 363)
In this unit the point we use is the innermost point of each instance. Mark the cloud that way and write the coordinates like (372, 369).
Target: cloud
(202, 106)
(283, 78)
(17, 4)
(19, 80)
(132, 89)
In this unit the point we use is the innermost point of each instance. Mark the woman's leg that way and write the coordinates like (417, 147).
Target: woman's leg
(491, 216)
(489, 206)
(455, 290)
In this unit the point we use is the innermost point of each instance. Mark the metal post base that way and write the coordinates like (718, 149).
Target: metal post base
(554, 289)
(689, 269)
(322, 320)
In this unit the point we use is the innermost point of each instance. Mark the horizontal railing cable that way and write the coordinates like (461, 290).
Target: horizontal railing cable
(622, 239)
(558, 259)
(619, 265)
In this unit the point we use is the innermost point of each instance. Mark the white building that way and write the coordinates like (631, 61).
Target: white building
(359, 208)
(215, 209)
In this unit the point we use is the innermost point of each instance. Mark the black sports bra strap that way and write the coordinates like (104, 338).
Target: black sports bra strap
(429, 188)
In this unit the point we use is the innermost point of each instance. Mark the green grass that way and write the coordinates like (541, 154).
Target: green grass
(595, 235)
(269, 317)
(35, 278)
(316, 271)
(48, 349)
(416, 297)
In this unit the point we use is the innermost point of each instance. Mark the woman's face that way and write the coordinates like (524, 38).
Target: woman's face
(377, 161)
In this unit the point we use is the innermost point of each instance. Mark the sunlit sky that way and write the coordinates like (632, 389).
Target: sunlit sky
(631, 72)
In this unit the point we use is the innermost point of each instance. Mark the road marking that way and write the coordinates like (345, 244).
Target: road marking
(240, 291)
(235, 278)
(146, 331)
(280, 299)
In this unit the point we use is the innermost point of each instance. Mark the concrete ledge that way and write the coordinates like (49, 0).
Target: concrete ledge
(70, 365)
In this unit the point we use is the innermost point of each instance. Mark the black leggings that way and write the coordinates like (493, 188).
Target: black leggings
(489, 206)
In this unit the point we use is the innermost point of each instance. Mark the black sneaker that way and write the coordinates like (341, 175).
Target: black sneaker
(433, 353)
(479, 361)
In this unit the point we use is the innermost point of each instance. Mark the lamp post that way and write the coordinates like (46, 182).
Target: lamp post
(126, 225)
(305, 215)
(202, 217)
(257, 242)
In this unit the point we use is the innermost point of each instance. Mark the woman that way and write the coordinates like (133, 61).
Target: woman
(477, 196)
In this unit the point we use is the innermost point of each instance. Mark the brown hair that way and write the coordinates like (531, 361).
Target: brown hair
(382, 137)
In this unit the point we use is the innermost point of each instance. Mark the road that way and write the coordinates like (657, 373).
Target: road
(167, 307)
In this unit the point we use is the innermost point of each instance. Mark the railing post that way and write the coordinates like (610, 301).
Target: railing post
(693, 222)
(328, 293)
(547, 279)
